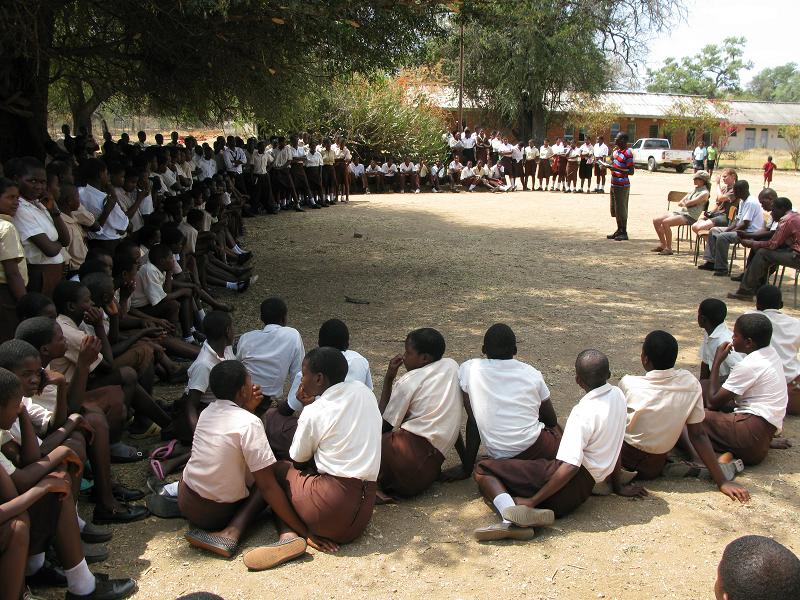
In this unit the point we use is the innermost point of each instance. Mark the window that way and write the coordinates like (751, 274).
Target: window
(780, 134)
(582, 134)
(631, 131)
(668, 135)
(569, 133)
(734, 132)
(653, 131)
(707, 139)
(656, 144)
(637, 145)
(614, 130)
(690, 133)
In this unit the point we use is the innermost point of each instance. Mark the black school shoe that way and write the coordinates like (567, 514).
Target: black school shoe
(613, 235)
(107, 589)
(706, 266)
(94, 534)
(131, 513)
(622, 237)
(50, 575)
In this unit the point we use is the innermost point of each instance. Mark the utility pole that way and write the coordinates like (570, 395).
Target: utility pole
(461, 80)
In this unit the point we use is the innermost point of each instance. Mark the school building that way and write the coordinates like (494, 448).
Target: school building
(644, 114)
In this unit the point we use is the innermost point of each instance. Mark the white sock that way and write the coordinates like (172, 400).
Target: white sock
(189, 338)
(172, 489)
(237, 249)
(80, 580)
(201, 313)
(35, 562)
(502, 502)
(193, 329)
(232, 285)
(81, 522)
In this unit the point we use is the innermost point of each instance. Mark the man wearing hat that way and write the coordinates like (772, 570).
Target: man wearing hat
(691, 205)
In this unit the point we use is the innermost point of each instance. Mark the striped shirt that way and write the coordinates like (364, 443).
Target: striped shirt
(622, 161)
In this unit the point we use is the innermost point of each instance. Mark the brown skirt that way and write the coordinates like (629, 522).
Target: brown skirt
(44, 278)
(280, 432)
(545, 446)
(526, 477)
(649, 466)
(508, 166)
(337, 508)
(544, 168)
(206, 514)
(746, 435)
(409, 463)
(44, 515)
(572, 171)
(519, 169)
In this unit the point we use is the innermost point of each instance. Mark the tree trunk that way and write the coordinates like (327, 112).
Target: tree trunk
(24, 82)
(538, 121)
(81, 108)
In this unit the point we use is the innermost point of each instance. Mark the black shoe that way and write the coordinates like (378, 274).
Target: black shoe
(94, 553)
(738, 277)
(613, 235)
(129, 514)
(721, 273)
(315, 206)
(94, 534)
(121, 493)
(707, 266)
(244, 257)
(49, 575)
(622, 237)
(298, 208)
(107, 589)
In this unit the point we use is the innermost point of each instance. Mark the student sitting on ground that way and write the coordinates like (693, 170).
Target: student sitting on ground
(421, 415)
(711, 319)
(660, 404)
(231, 477)
(754, 567)
(274, 353)
(52, 517)
(756, 387)
(281, 421)
(785, 340)
(339, 432)
(589, 453)
(508, 405)
(14, 271)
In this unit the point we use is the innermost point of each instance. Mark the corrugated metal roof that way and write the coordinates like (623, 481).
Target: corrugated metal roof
(651, 105)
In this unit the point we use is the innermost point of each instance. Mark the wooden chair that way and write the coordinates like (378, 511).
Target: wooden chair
(778, 281)
(675, 197)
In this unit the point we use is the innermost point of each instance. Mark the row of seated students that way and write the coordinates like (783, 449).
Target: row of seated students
(323, 457)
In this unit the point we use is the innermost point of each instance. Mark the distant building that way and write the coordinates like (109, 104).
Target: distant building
(643, 114)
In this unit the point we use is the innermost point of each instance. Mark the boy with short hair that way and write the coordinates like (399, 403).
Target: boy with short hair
(754, 567)
(274, 353)
(660, 404)
(421, 414)
(508, 405)
(340, 430)
(785, 340)
(757, 388)
(711, 319)
(588, 453)
(231, 476)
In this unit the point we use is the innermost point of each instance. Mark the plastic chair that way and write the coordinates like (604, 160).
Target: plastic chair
(675, 197)
(779, 281)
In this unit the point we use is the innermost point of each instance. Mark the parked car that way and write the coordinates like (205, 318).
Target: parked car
(656, 152)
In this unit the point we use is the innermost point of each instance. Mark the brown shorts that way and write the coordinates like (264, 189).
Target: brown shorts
(280, 432)
(747, 436)
(44, 516)
(526, 477)
(139, 357)
(545, 446)
(409, 463)
(649, 466)
(206, 514)
(793, 388)
(337, 508)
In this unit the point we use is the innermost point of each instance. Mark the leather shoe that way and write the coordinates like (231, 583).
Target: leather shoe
(48, 576)
(738, 277)
(706, 266)
(722, 273)
(622, 237)
(129, 514)
(611, 236)
(107, 589)
(93, 534)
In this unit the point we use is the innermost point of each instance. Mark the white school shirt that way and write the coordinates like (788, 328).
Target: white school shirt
(314, 159)
(341, 431)
(168, 179)
(32, 219)
(708, 349)
(299, 152)
(342, 153)
(271, 355)
(370, 170)
(505, 397)
(469, 142)
(497, 171)
(261, 162)
(427, 402)
(496, 143)
(207, 167)
(660, 403)
(229, 444)
(751, 211)
(408, 168)
(594, 432)
(357, 370)
(531, 153)
(455, 166)
(505, 149)
(546, 152)
(435, 171)
(600, 150)
(201, 368)
(700, 153)
(455, 143)
(40, 419)
(149, 286)
(125, 200)
(191, 235)
(785, 340)
(229, 156)
(389, 171)
(356, 170)
(760, 386)
(466, 173)
(586, 150)
(517, 154)
(94, 200)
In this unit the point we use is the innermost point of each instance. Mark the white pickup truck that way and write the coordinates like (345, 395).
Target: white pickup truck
(656, 152)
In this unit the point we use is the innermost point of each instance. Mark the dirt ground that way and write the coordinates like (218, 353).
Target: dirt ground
(460, 262)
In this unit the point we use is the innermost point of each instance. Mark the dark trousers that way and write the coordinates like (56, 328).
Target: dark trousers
(758, 270)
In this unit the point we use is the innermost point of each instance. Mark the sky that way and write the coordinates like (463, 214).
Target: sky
(770, 27)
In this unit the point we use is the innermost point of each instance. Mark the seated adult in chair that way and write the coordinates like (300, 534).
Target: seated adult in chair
(691, 206)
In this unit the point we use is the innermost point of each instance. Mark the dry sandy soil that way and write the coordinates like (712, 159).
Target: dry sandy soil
(460, 262)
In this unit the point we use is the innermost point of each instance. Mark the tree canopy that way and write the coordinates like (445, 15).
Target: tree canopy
(522, 59)
(210, 58)
(713, 72)
(777, 84)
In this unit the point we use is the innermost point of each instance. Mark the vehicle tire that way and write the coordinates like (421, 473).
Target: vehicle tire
(651, 165)
(680, 168)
